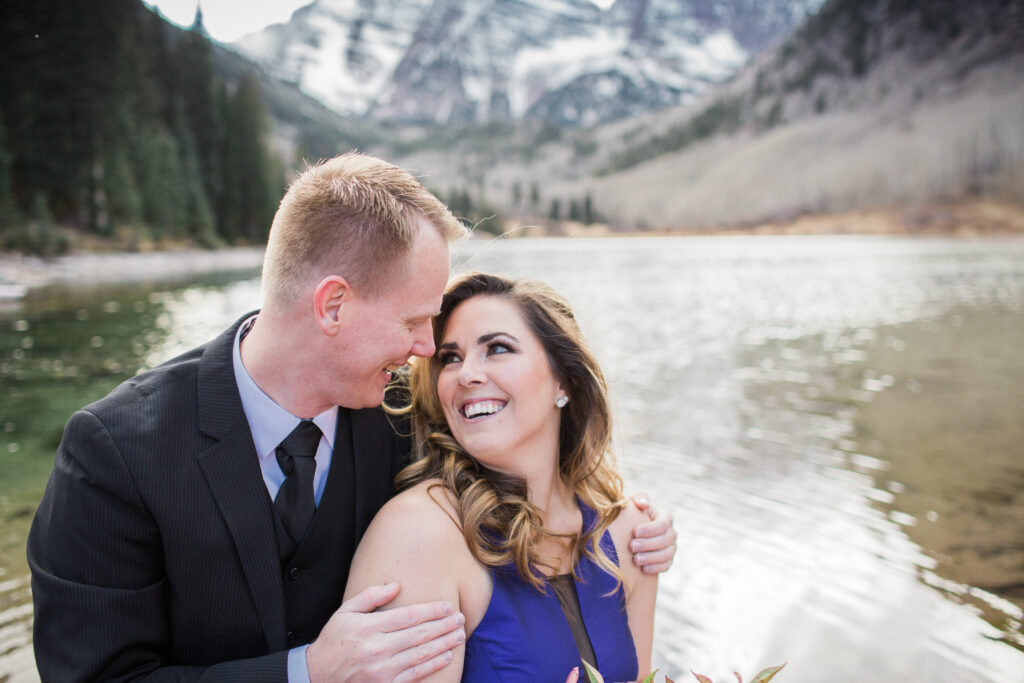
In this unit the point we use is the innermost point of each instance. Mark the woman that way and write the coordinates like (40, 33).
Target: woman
(513, 497)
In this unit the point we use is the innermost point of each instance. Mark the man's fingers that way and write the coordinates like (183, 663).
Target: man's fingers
(406, 617)
(660, 525)
(655, 561)
(643, 502)
(655, 544)
(421, 671)
(426, 633)
(424, 658)
(371, 598)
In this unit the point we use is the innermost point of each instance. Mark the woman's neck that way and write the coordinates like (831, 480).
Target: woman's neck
(555, 501)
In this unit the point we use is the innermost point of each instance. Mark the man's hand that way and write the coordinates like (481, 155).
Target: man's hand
(654, 543)
(404, 644)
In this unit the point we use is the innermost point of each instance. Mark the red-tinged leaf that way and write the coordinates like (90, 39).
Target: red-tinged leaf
(650, 677)
(701, 677)
(768, 674)
(593, 674)
(669, 680)
(737, 675)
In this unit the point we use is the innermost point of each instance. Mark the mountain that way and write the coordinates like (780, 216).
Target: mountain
(564, 61)
(871, 103)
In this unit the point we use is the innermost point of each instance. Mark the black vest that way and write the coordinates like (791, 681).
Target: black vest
(314, 577)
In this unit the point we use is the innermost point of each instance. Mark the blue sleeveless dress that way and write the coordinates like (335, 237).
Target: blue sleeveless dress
(524, 636)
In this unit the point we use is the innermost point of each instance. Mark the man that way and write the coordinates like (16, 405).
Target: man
(200, 520)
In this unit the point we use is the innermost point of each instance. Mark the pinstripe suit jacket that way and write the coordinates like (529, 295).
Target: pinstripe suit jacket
(152, 552)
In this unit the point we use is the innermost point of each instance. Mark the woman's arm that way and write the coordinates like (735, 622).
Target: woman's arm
(640, 587)
(414, 543)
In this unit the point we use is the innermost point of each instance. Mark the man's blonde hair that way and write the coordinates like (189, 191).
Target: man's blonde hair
(353, 216)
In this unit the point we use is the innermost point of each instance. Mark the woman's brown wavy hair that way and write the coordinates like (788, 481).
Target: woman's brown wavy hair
(499, 523)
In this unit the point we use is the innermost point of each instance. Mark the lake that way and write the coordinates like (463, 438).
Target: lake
(835, 422)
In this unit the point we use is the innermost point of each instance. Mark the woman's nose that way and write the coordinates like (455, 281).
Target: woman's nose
(471, 372)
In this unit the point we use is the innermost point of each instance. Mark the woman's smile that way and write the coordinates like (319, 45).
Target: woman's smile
(476, 410)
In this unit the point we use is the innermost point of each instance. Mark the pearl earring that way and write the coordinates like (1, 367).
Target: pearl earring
(562, 400)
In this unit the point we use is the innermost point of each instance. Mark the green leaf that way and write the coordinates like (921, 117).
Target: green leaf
(650, 677)
(768, 674)
(701, 677)
(593, 674)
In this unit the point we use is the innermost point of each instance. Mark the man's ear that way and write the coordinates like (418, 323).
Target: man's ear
(329, 297)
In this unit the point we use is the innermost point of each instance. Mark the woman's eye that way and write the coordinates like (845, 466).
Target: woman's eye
(498, 347)
(447, 358)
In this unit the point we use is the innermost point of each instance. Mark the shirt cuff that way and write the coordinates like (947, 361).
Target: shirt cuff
(298, 672)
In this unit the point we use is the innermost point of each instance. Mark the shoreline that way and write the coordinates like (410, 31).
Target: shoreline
(21, 275)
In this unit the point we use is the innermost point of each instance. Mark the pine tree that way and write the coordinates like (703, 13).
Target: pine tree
(8, 210)
(163, 183)
(588, 209)
(575, 214)
(248, 161)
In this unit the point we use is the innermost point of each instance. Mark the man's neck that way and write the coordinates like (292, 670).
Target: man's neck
(278, 363)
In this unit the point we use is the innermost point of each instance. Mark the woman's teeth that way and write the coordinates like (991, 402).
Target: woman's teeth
(482, 408)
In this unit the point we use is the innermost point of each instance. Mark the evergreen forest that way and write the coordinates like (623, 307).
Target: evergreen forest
(114, 125)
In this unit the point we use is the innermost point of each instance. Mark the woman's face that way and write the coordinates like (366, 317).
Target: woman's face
(496, 386)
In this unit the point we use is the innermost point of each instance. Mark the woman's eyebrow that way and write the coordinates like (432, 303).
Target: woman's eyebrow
(484, 338)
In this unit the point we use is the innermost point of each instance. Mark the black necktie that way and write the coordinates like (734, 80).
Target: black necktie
(294, 503)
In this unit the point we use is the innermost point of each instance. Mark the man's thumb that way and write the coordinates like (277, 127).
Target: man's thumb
(371, 598)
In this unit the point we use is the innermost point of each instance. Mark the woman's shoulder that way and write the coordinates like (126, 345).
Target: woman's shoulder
(621, 531)
(629, 518)
(424, 511)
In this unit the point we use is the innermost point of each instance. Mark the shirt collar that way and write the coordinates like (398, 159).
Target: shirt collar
(268, 421)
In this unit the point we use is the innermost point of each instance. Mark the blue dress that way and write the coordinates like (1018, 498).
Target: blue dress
(524, 636)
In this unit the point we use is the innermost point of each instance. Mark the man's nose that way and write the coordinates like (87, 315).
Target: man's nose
(423, 341)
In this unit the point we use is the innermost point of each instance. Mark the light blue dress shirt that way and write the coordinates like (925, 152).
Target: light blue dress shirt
(270, 424)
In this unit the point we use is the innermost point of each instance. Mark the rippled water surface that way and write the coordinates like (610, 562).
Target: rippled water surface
(835, 422)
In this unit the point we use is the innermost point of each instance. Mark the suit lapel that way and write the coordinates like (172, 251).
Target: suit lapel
(231, 468)
(372, 465)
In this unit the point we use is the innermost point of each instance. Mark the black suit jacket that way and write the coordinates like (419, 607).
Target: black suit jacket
(153, 553)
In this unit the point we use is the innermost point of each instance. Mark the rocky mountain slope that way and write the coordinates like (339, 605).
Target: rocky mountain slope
(564, 61)
(871, 103)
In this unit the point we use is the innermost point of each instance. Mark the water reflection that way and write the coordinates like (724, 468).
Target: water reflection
(61, 351)
(744, 372)
(835, 423)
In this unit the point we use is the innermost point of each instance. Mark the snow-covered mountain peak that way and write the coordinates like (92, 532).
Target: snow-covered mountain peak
(478, 60)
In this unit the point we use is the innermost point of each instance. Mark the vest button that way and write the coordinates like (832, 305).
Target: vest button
(294, 574)
(291, 638)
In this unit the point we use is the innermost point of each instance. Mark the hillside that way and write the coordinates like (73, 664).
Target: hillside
(872, 103)
(473, 61)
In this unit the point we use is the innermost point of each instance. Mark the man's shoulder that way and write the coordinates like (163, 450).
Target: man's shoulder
(178, 373)
(174, 376)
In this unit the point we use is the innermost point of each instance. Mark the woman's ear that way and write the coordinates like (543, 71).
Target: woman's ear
(330, 296)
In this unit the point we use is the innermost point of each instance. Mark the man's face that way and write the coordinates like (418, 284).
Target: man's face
(381, 333)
